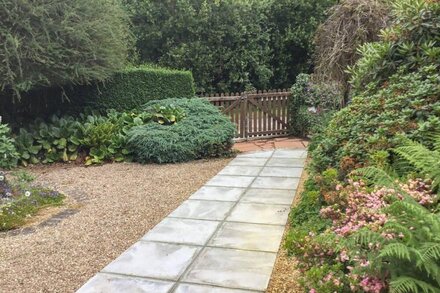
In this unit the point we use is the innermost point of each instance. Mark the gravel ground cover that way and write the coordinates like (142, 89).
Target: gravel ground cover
(122, 202)
(285, 275)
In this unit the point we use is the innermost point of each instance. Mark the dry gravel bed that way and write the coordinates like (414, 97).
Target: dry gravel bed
(123, 202)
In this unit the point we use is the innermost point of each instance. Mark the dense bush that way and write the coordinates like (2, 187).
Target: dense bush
(54, 43)
(311, 104)
(8, 153)
(350, 24)
(407, 103)
(396, 86)
(412, 42)
(205, 132)
(377, 227)
(131, 88)
(229, 45)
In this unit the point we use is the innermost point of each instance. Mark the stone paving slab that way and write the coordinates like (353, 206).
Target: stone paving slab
(285, 162)
(203, 210)
(277, 182)
(241, 171)
(257, 154)
(251, 161)
(153, 260)
(230, 181)
(191, 288)
(268, 196)
(260, 214)
(223, 239)
(281, 172)
(290, 154)
(218, 193)
(230, 235)
(183, 231)
(232, 268)
(108, 283)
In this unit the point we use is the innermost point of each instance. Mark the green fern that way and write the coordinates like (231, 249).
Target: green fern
(425, 160)
(397, 250)
(411, 285)
(377, 176)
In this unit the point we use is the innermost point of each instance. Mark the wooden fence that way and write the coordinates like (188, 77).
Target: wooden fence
(256, 114)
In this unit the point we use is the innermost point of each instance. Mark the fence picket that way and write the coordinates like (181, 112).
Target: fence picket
(258, 113)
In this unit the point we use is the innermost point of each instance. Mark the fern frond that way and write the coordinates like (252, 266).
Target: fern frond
(417, 212)
(397, 228)
(376, 175)
(406, 284)
(364, 237)
(425, 160)
(397, 250)
(429, 269)
(436, 139)
(430, 251)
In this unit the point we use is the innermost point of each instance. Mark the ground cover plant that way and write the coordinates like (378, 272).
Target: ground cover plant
(202, 133)
(20, 199)
(368, 220)
(171, 130)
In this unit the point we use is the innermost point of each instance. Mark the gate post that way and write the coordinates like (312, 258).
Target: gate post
(243, 115)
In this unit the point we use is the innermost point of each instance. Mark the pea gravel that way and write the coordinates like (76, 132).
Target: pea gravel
(123, 202)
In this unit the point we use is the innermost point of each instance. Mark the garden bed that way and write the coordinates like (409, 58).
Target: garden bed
(121, 202)
(285, 274)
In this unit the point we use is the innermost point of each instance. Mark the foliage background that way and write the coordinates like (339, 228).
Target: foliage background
(59, 42)
(229, 45)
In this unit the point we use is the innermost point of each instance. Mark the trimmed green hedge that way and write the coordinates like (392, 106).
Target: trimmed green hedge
(205, 132)
(126, 90)
(135, 86)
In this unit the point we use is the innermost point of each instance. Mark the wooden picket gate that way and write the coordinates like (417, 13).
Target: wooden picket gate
(256, 114)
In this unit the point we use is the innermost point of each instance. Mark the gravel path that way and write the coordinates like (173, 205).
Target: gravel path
(123, 202)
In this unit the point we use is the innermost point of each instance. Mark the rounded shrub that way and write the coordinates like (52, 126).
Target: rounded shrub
(205, 132)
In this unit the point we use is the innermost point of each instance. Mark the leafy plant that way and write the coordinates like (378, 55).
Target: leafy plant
(105, 137)
(48, 142)
(410, 43)
(8, 152)
(311, 103)
(167, 115)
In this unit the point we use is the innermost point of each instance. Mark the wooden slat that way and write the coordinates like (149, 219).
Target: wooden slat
(260, 113)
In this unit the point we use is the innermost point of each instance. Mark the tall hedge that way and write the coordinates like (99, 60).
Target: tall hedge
(125, 90)
(134, 86)
(60, 42)
(229, 45)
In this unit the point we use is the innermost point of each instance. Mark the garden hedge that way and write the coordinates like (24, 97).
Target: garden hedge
(135, 86)
(205, 132)
(125, 90)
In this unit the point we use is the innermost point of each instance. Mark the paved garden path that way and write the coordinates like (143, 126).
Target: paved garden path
(223, 239)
